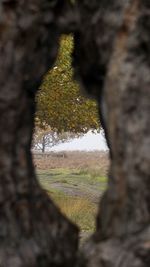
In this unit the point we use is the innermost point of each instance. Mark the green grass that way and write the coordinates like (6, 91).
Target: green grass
(84, 176)
(76, 192)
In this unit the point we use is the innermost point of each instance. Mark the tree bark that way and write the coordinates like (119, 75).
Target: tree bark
(117, 73)
(112, 62)
(33, 232)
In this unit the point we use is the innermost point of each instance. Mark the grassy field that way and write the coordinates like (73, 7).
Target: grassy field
(76, 192)
(72, 160)
(75, 181)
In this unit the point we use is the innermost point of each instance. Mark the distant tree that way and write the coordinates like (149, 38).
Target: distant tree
(59, 102)
(45, 137)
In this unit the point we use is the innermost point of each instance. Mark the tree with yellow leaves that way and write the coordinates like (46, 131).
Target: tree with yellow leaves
(60, 103)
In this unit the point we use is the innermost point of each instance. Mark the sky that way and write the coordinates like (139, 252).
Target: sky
(88, 142)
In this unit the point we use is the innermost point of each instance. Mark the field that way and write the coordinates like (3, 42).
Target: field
(72, 160)
(75, 181)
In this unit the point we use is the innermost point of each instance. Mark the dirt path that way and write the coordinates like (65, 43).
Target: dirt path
(77, 191)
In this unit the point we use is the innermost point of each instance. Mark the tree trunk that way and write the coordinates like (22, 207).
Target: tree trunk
(33, 232)
(117, 73)
(43, 144)
(111, 60)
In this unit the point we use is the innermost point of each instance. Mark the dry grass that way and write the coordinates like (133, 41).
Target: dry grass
(94, 161)
(75, 181)
(79, 210)
(76, 192)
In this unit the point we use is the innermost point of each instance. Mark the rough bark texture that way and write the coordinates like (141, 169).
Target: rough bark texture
(114, 42)
(112, 62)
(32, 230)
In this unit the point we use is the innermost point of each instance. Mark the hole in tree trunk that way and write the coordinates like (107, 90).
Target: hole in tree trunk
(74, 180)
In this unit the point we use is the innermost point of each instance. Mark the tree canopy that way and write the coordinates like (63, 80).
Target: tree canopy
(59, 102)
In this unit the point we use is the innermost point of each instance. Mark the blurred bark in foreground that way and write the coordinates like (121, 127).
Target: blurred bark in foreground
(111, 60)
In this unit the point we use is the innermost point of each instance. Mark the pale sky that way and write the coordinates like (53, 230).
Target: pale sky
(88, 142)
